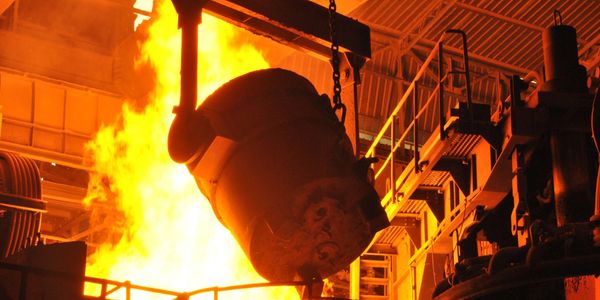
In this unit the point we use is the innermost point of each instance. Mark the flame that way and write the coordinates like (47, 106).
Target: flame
(170, 237)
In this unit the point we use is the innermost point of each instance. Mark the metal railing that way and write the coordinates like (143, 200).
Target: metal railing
(397, 139)
(110, 287)
(128, 287)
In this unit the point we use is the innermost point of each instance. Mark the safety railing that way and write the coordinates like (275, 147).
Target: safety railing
(398, 139)
(128, 288)
(109, 288)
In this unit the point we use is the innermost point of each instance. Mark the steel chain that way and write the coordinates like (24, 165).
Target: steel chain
(335, 62)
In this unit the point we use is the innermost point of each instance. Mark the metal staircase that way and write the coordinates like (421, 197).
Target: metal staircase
(408, 190)
(376, 283)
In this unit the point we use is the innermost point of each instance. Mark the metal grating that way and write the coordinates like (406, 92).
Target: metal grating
(390, 234)
(435, 179)
(413, 206)
(462, 145)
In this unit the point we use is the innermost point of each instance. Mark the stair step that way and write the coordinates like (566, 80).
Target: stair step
(373, 297)
(375, 263)
(374, 280)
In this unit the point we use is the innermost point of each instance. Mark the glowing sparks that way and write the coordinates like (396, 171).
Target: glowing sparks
(170, 237)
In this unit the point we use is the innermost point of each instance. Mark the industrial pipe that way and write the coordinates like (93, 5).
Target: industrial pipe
(561, 60)
(571, 158)
(187, 130)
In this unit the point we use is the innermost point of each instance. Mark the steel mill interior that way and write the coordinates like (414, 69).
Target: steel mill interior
(296, 149)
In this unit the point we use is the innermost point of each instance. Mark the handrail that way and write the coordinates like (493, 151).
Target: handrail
(390, 123)
(411, 87)
(405, 134)
(129, 287)
(215, 290)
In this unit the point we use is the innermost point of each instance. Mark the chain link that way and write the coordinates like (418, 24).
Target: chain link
(335, 63)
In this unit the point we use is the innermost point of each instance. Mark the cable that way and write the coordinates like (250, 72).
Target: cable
(595, 119)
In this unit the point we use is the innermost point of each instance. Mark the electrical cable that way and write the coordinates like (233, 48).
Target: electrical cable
(595, 121)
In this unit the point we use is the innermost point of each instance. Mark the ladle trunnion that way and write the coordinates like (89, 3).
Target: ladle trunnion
(278, 168)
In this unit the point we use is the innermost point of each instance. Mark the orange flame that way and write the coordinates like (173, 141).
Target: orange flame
(171, 239)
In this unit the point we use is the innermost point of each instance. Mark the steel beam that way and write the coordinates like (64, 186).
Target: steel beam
(408, 41)
(427, 45)
(300, 24)
(592, 63)
(428, 88)
(345, 6)
(589, 45)
(355, 279)
(4, 4)
(428, 71)
(499, 16)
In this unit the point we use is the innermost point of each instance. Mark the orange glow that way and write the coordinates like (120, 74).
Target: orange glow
(171, 239)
